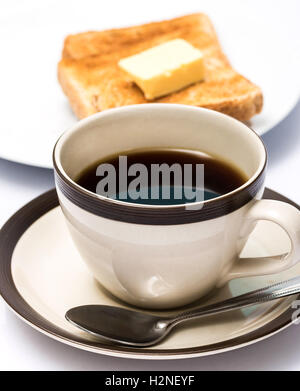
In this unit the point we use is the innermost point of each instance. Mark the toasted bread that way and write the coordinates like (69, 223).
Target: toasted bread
(92, 80)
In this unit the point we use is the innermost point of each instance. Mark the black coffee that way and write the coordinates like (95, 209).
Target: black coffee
(161, 177)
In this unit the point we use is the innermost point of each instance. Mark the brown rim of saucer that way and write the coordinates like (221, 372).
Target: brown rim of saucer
(162, 214)
(17, 225)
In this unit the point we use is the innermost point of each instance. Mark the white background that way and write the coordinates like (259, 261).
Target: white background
(23, 348)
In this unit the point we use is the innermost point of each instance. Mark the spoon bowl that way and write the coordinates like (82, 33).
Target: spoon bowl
(119, 324)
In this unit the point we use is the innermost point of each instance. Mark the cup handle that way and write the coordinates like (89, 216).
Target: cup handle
(288, 218)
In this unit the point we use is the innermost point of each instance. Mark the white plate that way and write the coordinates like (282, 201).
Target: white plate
(34, 111)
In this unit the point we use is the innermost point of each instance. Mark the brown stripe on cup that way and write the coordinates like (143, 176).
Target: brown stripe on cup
(157, 215)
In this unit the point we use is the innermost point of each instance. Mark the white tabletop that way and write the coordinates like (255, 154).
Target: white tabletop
(23, 348)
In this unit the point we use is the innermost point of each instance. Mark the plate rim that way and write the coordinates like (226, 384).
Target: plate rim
(18, 224)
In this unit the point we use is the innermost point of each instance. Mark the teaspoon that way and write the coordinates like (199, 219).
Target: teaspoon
(140, 329)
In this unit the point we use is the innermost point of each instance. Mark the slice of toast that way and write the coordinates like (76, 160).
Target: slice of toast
(92, 80)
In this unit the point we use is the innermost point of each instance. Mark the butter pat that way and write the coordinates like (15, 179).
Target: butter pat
(165, 68)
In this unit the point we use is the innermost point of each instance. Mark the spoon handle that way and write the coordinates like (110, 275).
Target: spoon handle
(272, 292)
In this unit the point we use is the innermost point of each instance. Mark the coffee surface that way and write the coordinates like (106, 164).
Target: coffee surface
(166, 177)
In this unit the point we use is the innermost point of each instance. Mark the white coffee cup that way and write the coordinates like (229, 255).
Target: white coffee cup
(168, 256)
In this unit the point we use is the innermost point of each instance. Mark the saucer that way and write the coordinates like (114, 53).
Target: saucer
(42, 276)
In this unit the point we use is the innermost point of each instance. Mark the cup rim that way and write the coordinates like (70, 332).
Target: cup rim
(64, 176)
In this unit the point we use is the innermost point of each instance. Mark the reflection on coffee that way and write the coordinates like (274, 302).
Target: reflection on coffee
(161, 176)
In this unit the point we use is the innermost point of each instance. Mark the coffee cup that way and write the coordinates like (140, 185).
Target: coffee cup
(166, 256)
